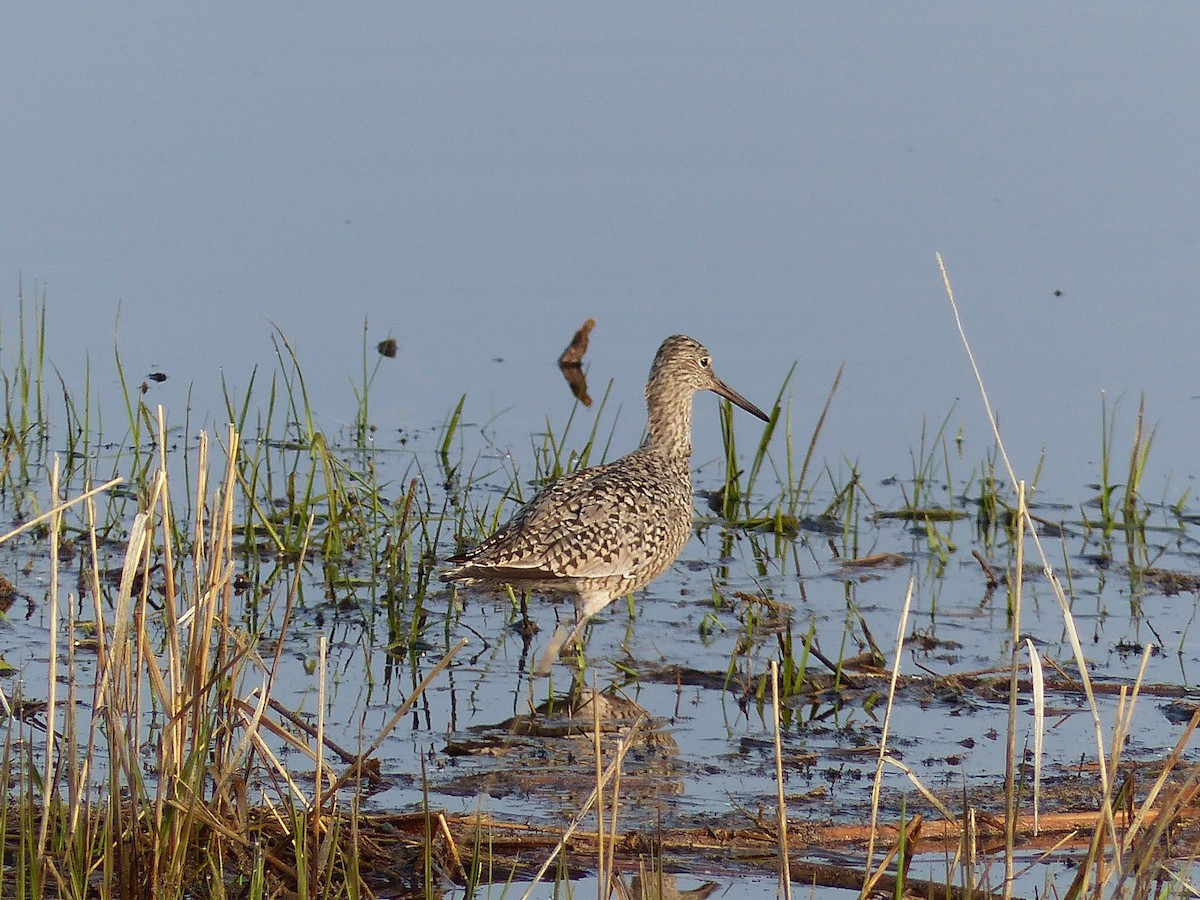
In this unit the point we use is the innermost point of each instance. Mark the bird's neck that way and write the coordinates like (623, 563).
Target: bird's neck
(668, 423)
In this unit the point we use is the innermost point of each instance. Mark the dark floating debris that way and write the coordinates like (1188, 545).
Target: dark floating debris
(8, 593)
(920, 514)
(1180, 712)
(156, 377)
(876, 561)
(992, 580)
(573, 355)
(571, 363)
(1169, 582)
(387, 348)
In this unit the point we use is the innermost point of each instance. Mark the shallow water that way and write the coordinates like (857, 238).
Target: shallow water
(693, 655)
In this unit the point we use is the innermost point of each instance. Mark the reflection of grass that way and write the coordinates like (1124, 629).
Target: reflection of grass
(1122, 512)
(23, 439)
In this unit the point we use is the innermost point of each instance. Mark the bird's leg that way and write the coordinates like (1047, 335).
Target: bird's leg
(574, 640)
(586, 605)
(563, 643)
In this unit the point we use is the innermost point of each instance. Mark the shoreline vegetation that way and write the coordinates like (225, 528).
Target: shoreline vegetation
(158, 759)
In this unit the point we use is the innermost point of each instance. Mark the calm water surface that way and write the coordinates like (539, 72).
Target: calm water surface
(774, 180)
(477, 182)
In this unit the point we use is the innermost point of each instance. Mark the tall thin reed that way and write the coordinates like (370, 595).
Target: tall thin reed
(877, 785)
(1048, 570)
(1010, 757)
(785, 878)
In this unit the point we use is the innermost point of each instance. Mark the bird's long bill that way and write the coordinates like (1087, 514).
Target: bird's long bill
(723, 390)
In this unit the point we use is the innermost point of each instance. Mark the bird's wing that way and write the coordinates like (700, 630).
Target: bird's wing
(590, 524)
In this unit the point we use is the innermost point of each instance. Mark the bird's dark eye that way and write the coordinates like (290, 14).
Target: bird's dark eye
(704, 362)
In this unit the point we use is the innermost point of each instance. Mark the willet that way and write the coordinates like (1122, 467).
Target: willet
(604, 532)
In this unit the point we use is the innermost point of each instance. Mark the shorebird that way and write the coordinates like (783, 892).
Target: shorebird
(606, 531)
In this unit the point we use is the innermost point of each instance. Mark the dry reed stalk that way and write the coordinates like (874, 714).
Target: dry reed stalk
(601, 881)
(85, 767)
(71, 728)
(1095, 855)
(1048, 570)
(785, 880)
(172, 746)
(1053, 827)
(254, 719)
(1147, 851)
(460, 871)
(925, 792)
(183, 680)
(1141, 846)
(281, 768)
(400, 713)
(615, 804)
(183, 660)
(877, 786)
(1173, 758)
(1038, 681)
(318, 771)
(168, 683)
(49, 777)
(59, 509)
(1010, 747)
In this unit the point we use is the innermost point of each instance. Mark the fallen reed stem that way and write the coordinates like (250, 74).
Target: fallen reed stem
(59, 508)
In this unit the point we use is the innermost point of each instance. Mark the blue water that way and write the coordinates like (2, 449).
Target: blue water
(477, 181)
(774, 180)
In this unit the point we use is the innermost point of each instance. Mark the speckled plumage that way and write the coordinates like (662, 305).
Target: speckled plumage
(601, 533)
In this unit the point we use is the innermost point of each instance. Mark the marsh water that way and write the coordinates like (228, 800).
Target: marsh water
(691, 653)
(477, 182)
